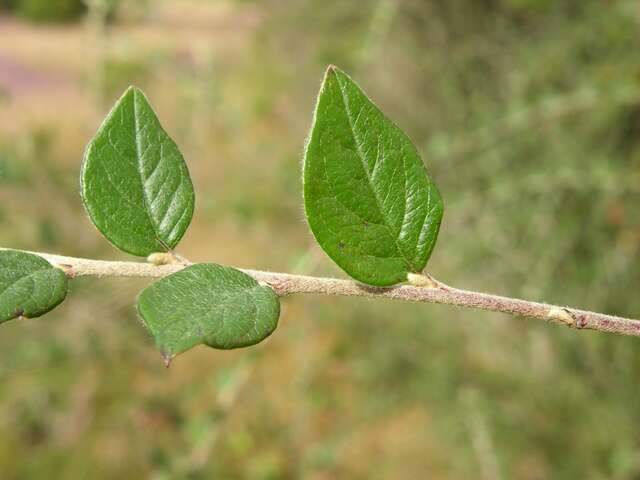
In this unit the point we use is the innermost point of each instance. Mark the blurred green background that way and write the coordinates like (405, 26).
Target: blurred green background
(527, 113)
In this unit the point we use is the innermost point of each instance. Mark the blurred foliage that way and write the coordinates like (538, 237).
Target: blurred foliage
(528, 116)
(50, 10)
(63, 11)
(7, 4)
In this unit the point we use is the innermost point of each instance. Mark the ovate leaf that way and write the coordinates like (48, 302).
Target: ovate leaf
(208, 304)
(135, 184)
(368, 198)
(29, 285)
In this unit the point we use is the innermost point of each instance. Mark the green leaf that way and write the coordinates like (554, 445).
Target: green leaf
(135, 184)
(29, 285)
(368, 198)
(207, 303)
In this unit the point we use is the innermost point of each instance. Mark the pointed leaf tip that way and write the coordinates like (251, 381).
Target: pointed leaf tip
(167, 360)
(331, 71)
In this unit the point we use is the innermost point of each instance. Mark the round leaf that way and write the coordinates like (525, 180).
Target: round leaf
(368, 198)
(135, 184)
(208, 304)
(29, 285)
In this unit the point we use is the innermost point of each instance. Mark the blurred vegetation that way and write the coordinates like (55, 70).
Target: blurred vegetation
(49, 10)
(62, 11)
(6, 4)
(528, 116)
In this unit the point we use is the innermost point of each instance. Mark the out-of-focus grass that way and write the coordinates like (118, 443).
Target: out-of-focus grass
(528, 116)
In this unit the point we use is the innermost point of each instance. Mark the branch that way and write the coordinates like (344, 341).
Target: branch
(432, 292)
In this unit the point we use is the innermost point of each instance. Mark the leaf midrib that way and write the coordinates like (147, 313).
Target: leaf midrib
(26, 275)
(360, 156)
(30, 276)
(139, 166)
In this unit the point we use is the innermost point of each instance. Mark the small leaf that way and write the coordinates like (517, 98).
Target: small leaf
(368, 198)
(135, 184)
(29, 285)
(207, 303)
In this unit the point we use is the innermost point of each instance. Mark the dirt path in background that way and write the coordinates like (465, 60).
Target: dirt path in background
(17, 78)
(46, 69)
(53, 59)
(20, 72)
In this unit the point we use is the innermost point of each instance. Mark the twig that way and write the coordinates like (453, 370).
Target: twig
(437, 292)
